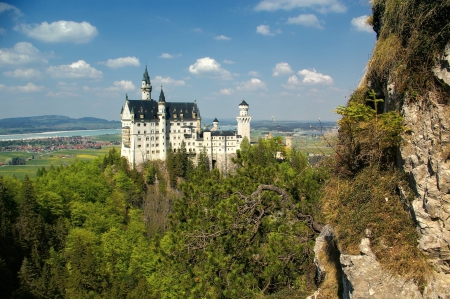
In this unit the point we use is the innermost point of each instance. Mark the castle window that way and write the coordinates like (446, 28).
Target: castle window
(145, 124)
(139, 145)
(145, 132)
(148, 152)
(138, 124)
(147, 138)
(147, 146)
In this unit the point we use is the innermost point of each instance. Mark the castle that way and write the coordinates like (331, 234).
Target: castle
(150, 129)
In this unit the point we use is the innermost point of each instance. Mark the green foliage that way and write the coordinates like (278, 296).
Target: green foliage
(365, 137)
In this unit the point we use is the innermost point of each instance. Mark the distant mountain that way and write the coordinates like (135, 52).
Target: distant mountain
(48, 123)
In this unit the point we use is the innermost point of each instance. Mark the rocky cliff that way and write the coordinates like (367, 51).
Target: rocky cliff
(410, 71)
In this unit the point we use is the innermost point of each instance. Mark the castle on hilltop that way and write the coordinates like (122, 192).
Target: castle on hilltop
(151, 128)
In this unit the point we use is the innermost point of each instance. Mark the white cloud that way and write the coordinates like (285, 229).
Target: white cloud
(23, 73)
(168, 56)
(265, 30)
(121, 62)
(5, 7)
(229, 61)
(309, 20)
(124, 85)
(79, 69)
(254, 74)
(322, 6)
(167, 81)
(209, 67)
(21, 53)
(360, 24)
(282, 68)
(292, 83)
(226, 91)
(61, 31)
(251, 85)
(197, 30)
(30, 87)
(222, 37)
(60, 94)
(313, 77)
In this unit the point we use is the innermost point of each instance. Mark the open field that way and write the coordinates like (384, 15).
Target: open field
(56, 158)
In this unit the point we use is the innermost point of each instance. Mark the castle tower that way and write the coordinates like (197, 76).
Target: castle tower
(146, 86)
(289, 141)
(215, 126)
(162, 125)
(243, 120)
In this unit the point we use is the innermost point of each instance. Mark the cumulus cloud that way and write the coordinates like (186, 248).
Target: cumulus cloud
(309, 20)
(209, 67)
(226, 91)
(254, 74)
(23, 73)
(121, 62)
(30, 87)
(265, 30)
(222, 37)
(123, 85)
(313, 77)
(8, 7)
(360, 24)
(168, 56)
(167, 81)
(251, 85)
(21, 53)
(79, 69)
(293, 83)
(322, 6)
(229, 61)
(60, 31)
(282, 68)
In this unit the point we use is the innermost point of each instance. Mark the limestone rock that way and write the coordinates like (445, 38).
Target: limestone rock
(363, 277)
(442, 70)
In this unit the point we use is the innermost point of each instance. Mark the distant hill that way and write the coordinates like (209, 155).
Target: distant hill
(48, 123)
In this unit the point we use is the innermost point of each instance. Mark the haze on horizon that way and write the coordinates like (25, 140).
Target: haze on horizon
(289, 59)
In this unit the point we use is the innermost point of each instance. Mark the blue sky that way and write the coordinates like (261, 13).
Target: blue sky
(288, 59)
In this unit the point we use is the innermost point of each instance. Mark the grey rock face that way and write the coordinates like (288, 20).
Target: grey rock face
(363, 278)
(442, 69)
(422, 156)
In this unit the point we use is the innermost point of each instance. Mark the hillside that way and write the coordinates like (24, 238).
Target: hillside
(387, 201)
(48, 123)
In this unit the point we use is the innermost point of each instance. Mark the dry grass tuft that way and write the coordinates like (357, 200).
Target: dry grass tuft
(370, 201)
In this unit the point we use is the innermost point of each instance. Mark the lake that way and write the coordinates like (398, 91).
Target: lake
(61, 134)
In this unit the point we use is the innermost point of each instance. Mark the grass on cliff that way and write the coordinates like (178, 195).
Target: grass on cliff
(369, 204)
(412, 36)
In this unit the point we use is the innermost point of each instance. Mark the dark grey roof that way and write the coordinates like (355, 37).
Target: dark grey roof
(162, 98)
(223, 133)
(145, 77)
(243, 103)
(215, 120)
(149, 109)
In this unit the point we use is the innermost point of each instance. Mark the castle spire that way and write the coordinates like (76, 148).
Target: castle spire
(162, 98)
(146, 86)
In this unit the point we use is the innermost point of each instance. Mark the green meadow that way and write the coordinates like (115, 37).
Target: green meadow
(55, 158)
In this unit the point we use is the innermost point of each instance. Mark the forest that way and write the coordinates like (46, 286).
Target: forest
(179, 229)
